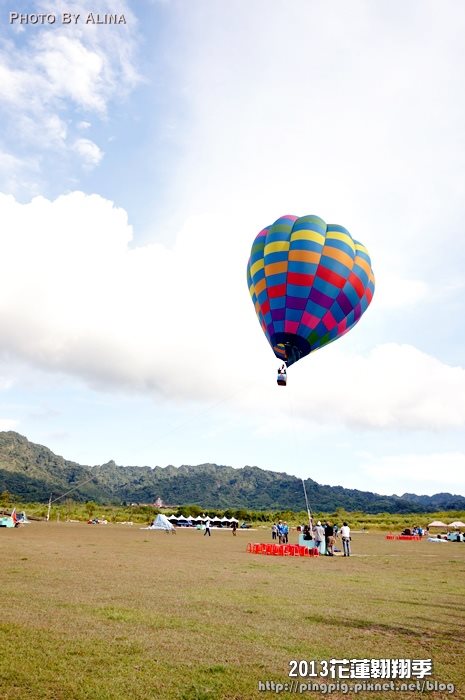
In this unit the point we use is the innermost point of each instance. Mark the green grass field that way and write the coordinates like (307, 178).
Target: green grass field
(117, 613)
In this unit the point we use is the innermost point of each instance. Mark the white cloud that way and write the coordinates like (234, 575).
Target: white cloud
(71, 70)
(75, 297)
(298, 120)
(396, 293)
(18, 175)
(418, 473)
(90, 153)
(8, 424)
(51, 78)
(394, 387)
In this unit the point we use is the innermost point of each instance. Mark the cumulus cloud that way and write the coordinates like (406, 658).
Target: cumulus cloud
(436, 472)
(394, 386)
(77, 297)
(79, 300)
(397, 293)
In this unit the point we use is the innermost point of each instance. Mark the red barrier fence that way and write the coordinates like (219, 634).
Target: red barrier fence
(390, 536)
(282, 550)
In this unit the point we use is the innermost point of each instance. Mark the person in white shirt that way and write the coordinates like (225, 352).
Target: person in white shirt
(319, 536)
(345, 534)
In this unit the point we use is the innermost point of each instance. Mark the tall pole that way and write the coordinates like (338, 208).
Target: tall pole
(49, 507)
(65, 494)
(306, 501)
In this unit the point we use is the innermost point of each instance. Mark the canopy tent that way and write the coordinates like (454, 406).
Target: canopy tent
(457, 524)
(437, 523)
(161, 522)
(22, 518)
(200, 519)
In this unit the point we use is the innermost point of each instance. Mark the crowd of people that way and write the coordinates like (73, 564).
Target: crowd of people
(417, 530)
(324, 536)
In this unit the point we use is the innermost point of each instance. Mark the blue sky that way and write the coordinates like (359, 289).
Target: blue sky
(137, 164)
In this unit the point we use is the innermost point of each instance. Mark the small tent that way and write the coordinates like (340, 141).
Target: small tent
(22, 519)
(161, 522)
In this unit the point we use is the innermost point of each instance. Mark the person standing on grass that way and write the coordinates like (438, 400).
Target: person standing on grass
(280, 530)
(345, 534)
(330, 539)
(306, 532)
(207, 528)
(234, 528)
(274, 531)
(319, 535)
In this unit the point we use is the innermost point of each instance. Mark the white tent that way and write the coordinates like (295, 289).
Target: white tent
(457, 524)
(161, 522)
(437, 523)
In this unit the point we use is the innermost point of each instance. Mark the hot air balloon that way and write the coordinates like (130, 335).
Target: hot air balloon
(310, 282)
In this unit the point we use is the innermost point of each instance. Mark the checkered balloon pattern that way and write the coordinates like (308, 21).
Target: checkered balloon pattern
(310, 283)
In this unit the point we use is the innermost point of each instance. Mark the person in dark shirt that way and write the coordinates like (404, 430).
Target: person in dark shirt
(329, 538)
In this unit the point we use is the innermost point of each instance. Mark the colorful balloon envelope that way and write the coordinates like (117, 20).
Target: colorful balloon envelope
(310, 283)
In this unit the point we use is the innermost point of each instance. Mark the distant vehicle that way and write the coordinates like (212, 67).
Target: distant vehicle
(97, 521)
(455, 537)
(244, 526)
(6, 521)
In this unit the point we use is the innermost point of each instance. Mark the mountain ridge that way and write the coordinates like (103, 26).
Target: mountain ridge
(31, 472)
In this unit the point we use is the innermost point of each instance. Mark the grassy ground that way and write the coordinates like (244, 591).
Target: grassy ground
(117, 613)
